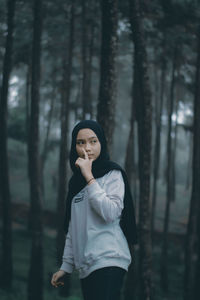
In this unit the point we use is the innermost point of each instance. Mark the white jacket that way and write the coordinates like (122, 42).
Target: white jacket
(95, 239)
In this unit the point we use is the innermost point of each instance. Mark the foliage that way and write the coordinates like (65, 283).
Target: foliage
(22, 244)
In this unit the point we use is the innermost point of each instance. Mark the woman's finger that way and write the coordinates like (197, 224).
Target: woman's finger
(85, 154)
(54, 279)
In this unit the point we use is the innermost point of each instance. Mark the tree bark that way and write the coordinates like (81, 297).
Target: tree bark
(192, 255)
(130, 168)
(28, 86)
(35, 278)
(84, 57)
(44, 154)
(90, 59)
(6, 263)
(157, 143)
(63, 157)
(164, 252)
(174, 150)
(144, 112)
(189, 163)
(107, 88)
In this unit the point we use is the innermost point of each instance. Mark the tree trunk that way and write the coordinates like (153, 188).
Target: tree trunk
(62, 181)
(189, 163)
(44, 154)
(35, 279)
(28, 86)
(192, 255)
(144, 112)
(107, 88)
(174, 149)
(6, 262)
(63, 158)
(164, 252)
(89, 81)
(157, 143)
(84, 57)
(131, 279)
(130, 150)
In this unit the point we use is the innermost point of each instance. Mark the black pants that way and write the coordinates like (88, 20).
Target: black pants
(103, 284)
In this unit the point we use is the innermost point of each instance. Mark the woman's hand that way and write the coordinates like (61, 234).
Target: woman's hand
(85, 164)
(55, 278)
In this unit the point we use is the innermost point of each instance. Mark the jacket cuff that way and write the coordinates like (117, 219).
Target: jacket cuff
(93, 190)
(67, 267)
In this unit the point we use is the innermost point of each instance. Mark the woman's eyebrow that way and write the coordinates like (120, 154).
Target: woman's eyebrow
(92, 137)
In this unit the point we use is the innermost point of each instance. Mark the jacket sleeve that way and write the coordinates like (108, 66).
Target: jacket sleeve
(108, 201)
(68, 258)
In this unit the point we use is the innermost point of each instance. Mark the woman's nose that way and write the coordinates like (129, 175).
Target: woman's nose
(87, 146)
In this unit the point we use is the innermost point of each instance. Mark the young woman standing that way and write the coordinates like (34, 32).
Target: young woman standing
(100, 219)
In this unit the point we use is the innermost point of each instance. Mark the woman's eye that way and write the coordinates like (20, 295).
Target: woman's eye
(79, 142)
(94, 141)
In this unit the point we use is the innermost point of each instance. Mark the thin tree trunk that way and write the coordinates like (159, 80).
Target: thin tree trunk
(129, 159)
(157, 144)
(174, 148)
(192, 255)
(44, 154)
(6, 259)
(63, 157)
(35, 279)
(107, 88)
(28, 86)
(164, 252)
(88, 36)
(62, 181)
(84, 58)
(189, 163)
(131, 280)
(144, 112)
(89, 81)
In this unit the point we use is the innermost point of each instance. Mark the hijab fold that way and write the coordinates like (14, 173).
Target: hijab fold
(101, 166)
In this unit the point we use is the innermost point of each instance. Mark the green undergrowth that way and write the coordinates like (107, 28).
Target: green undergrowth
(21, 259)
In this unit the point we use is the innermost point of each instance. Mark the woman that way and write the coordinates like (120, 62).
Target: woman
(100, 221)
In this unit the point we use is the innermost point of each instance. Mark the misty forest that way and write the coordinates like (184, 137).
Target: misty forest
(134, 66)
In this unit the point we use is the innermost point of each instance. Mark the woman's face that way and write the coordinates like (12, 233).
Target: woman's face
(87, 139)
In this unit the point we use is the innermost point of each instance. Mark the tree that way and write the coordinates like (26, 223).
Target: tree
(63, 157)
(130, 164)
(35, 278)
(89, 9)
(107, 88)
(164, 253)
(192, 255)
(130, 169)
(64, 113)
(6, 264)
(86, 65)
(44, 154)
(158, 137)
(143, 111)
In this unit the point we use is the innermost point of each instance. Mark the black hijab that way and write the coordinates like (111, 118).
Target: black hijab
(100, 167)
